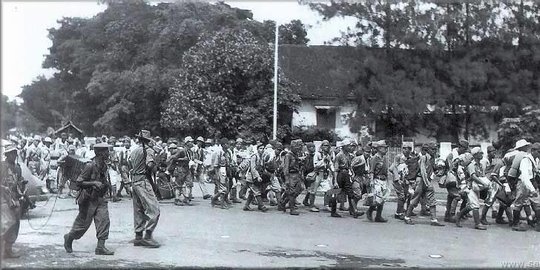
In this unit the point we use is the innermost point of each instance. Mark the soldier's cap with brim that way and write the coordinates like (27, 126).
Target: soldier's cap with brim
(209, 141)
(463, 143)
(144, 135)
(239, 140)
(325, 143)
(173, 146)
(259, 144)
(223, 141)
(407, 145)
(188, 139)
(381, 143)
(200, 139)
(10, 148)
(346, 142)
(521, 144)
(476, 150)
(296, 143)
(102, 147)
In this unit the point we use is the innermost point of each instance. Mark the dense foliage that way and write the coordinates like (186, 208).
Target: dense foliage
(462, 57)
(115, 71)
(225, 88)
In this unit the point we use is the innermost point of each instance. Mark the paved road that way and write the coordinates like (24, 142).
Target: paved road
(203, 236)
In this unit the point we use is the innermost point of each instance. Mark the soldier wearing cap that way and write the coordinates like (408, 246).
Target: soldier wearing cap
(342, 178)
(475, 181)
(404, 177)
(254, 178)
(34, 156)
(323, 164)
(12, 184)
(524, 187)
(534, 197)
(47, 173)
(424, 185)
(379, 173)
(197, 156)
(145, 204)
(180, 169)
(123, 163)
(292, 171)
(94, 185)
(309, 172)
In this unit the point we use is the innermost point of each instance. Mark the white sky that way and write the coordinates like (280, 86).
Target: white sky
(25, 42)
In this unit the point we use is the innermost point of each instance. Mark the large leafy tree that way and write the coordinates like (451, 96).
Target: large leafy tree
(115, 70)
(225, 87)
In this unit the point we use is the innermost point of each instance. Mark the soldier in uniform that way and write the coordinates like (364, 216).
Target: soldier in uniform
(292, 171)
(324, 168)
(123, 162)
(379, 174)
(222, 164)
(198, 158)
(145, 205)
(401, 184)
(12, 183)
(342, 179)
(309, 172)
(254, 179)
(524, 188)
(180, 170)
(34, 156)
(424, 185)
(93, 183)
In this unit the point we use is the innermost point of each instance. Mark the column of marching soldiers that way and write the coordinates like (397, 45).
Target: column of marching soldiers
(257, 175)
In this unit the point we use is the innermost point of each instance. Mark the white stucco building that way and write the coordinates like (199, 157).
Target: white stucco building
(321, 74)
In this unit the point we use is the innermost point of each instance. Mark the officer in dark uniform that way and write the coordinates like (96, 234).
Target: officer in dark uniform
(93, 184)
(12, 183)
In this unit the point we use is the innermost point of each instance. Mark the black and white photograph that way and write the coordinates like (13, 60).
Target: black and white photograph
(270, 134)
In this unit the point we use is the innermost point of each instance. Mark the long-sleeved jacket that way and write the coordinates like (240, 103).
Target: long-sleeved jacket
(323, 162)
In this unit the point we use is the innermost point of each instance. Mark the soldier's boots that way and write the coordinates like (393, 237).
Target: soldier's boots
(8, 251)
(333, 209)
(68, 243)
(378, 217)
(460, 215)
(370, 213)
(260, 205)
(233, 197)
(312, 203)
(102, 250)
(515, 224)
(148, 241)
(248, 202)
(306, 199)
(477, 222)
(483, 219)
(292, 206)
(499, 219)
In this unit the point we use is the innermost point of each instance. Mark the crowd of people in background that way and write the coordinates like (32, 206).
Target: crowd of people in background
(261, 176)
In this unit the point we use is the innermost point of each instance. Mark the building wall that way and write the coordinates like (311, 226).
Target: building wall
(306, 115)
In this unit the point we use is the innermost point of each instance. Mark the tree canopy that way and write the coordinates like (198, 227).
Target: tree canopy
(225, 87)
(462, 54)
(114, 72)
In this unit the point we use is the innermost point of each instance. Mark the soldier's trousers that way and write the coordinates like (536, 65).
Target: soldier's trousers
(98, 211)
(293, 184)
(11, 221)
(145, 207)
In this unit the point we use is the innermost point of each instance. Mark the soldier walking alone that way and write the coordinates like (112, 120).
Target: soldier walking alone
(93, 183)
